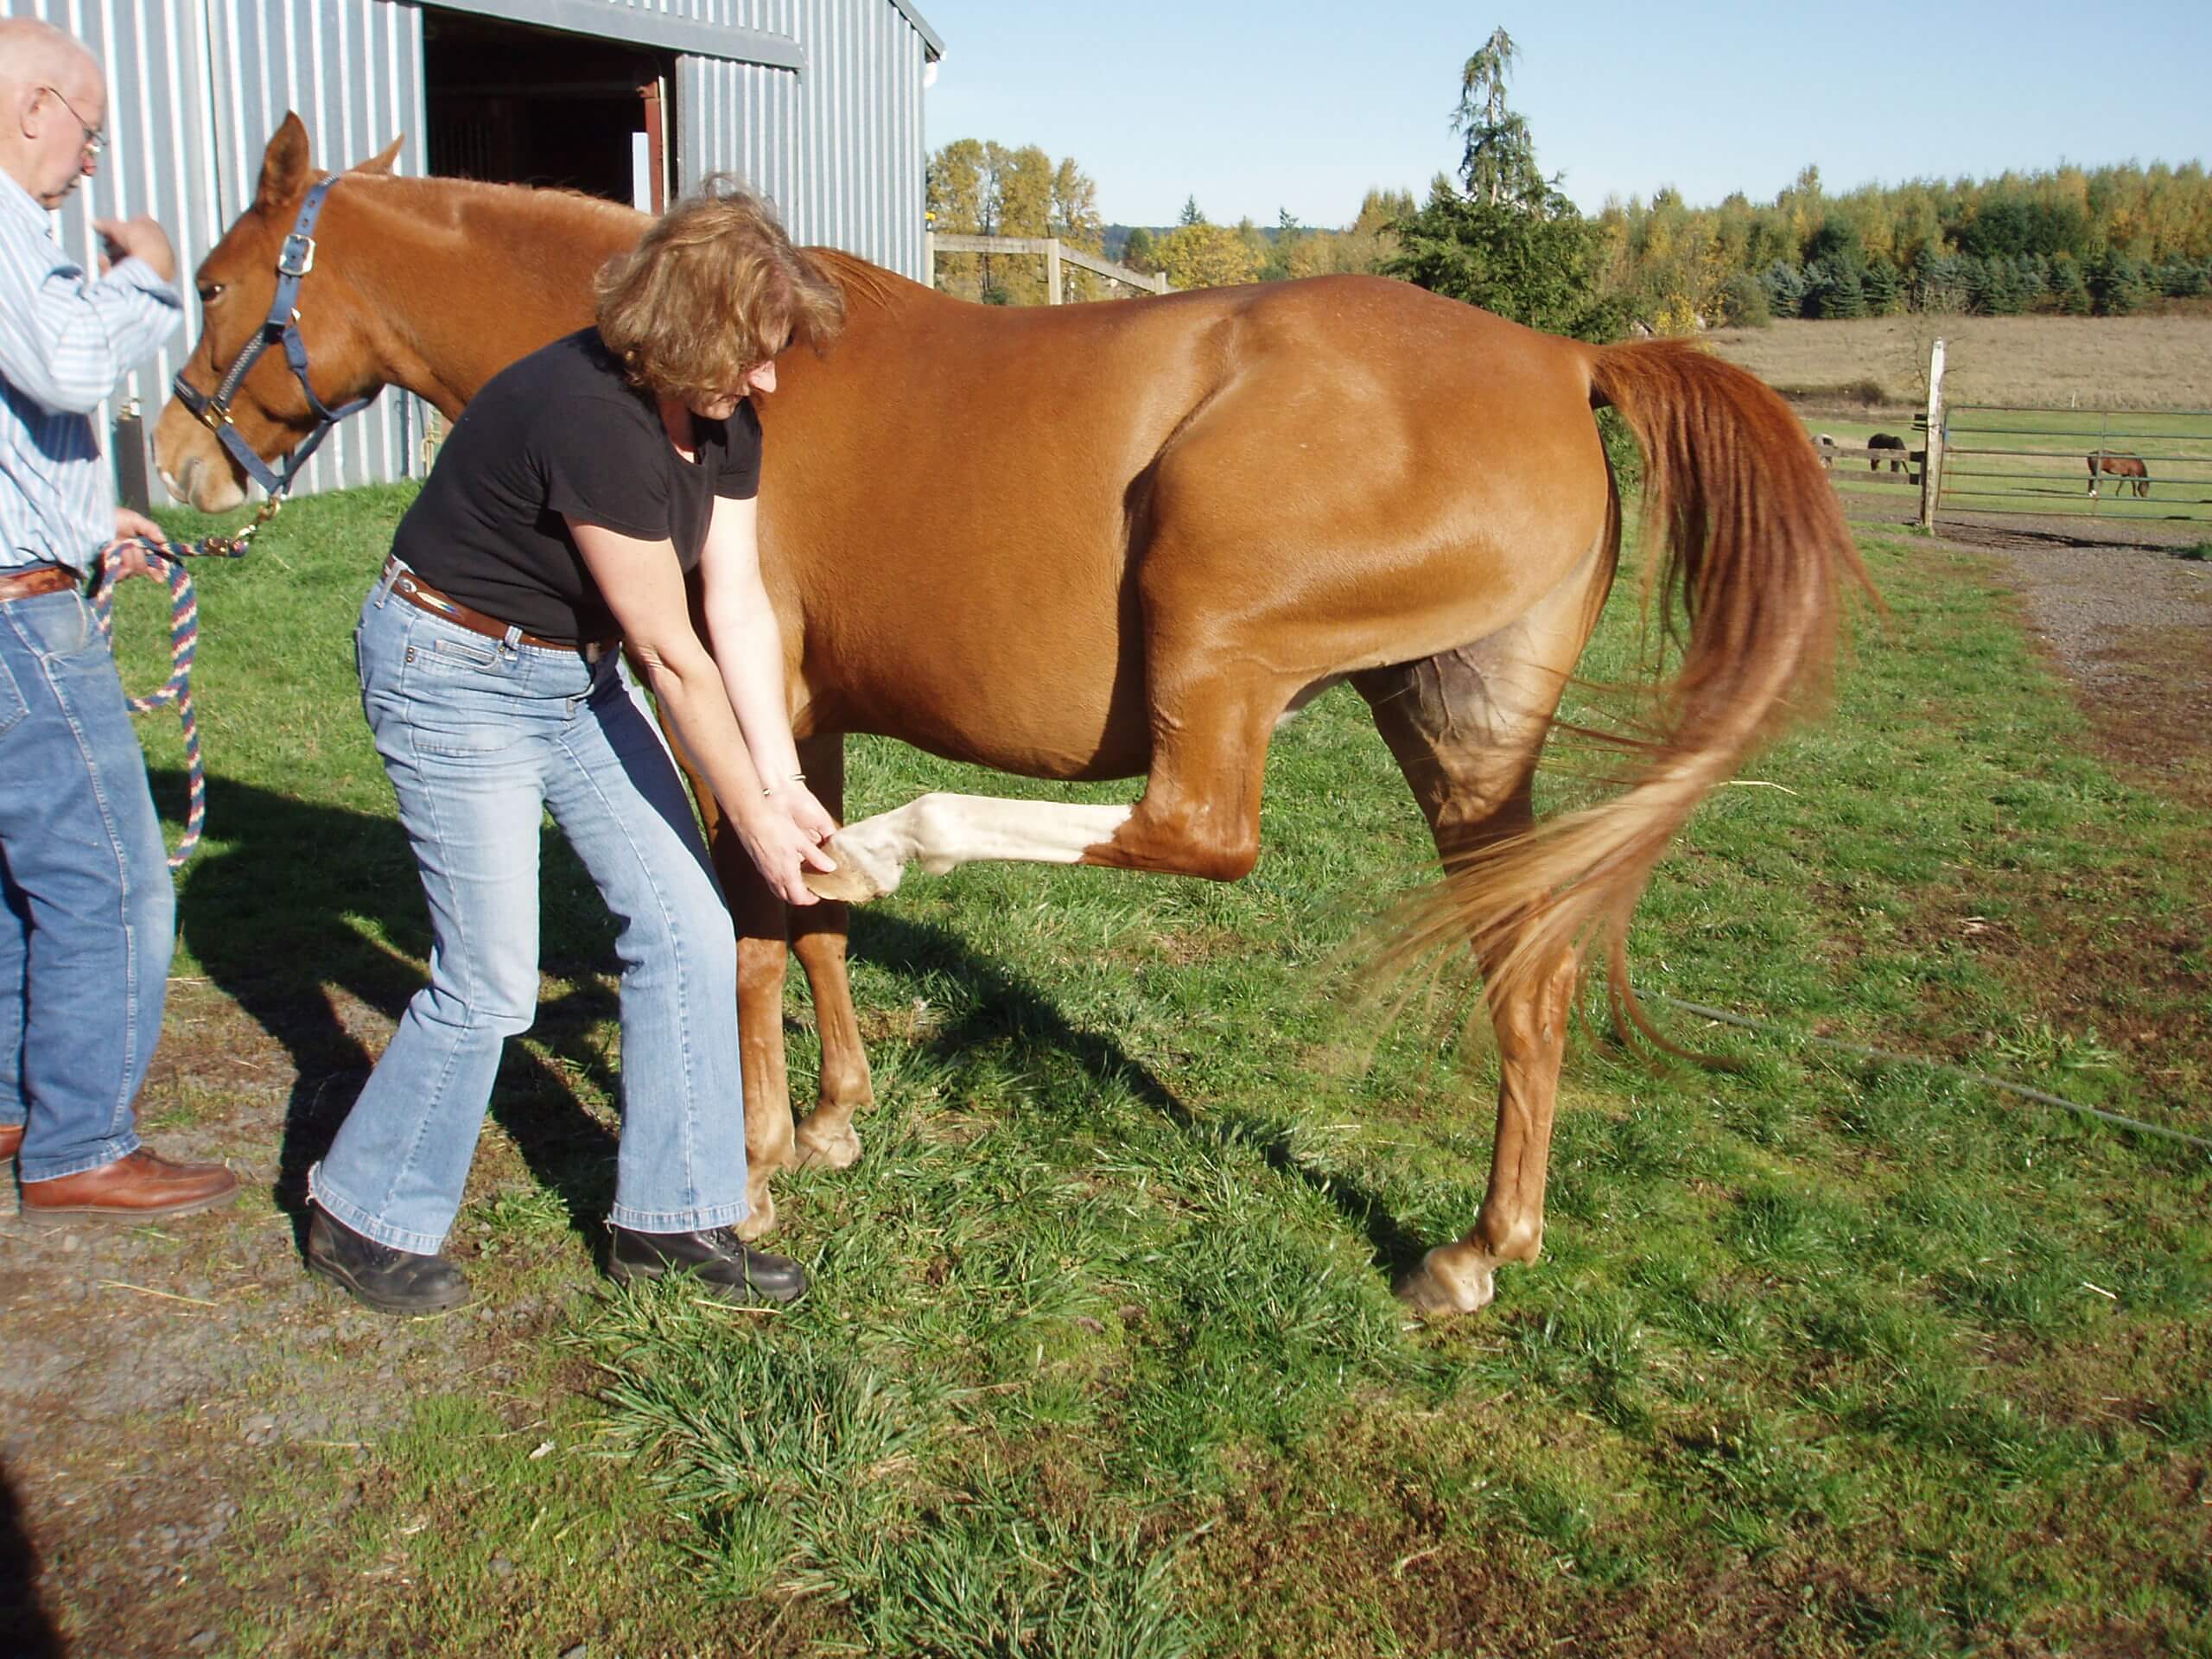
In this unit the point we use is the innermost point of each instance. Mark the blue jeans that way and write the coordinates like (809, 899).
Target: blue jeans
(481, 738)
(87, 914)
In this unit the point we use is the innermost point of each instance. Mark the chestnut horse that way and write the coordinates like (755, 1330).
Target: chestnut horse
(1125, 539)
(2128, 469)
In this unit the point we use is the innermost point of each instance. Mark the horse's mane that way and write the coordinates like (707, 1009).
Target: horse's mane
(859, 278)
(448, 203)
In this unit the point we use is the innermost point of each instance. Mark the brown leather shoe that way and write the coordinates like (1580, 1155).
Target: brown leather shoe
(11, 1142)
(140, 1186)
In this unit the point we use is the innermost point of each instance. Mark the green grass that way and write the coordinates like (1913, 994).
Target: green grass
(1822, 1357)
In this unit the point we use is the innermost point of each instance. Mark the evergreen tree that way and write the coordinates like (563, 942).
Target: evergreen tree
(1885, 289)
(1785, 288)
(2119, 285)
(1743, 301)
(1499, 163)
(1512, 243)
(2070, 290)
(1996, 290)
(1837, 291)
(2182, 279)
(1192, 213)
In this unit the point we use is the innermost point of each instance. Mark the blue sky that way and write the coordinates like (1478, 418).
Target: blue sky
(1253, 108)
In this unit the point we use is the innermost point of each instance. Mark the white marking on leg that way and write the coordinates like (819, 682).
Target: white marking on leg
(940, 832)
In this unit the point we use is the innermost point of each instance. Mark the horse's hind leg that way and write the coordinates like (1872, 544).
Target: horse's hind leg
(1467, 728)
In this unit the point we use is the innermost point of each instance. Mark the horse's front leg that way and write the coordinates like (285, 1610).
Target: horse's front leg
(762, 921)
(763, 930)
(826, 1134)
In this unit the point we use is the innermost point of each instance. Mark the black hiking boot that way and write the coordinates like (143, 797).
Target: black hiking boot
(726, 1265)
(390, 1281)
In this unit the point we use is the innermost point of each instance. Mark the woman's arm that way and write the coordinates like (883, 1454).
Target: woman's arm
(643, 586)
(748, 647)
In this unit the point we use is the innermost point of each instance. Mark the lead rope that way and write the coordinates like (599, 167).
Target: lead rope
(184, 644)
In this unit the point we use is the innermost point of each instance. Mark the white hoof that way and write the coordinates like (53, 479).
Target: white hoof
(1451, 1279)
(837, 1148)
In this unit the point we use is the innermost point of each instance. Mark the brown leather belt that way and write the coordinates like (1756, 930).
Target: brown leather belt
(419, 593)
(42, 579)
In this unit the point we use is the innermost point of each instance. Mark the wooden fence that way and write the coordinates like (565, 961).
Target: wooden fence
(1057, 254)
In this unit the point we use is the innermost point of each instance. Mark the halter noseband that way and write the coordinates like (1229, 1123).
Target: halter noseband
(293, 261)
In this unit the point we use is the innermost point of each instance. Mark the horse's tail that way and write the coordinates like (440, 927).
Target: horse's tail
(1757, 554)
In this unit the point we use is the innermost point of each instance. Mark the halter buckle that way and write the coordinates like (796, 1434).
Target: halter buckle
(296, 259)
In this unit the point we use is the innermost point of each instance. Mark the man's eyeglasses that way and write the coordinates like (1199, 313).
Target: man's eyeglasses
(95, 140)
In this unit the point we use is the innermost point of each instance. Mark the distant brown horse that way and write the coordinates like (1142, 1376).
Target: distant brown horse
(2129, 469)
(1123, 539)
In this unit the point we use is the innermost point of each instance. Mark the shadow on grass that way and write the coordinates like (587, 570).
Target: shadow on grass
(289, 919)
(25, 1630)
(1007, 1008)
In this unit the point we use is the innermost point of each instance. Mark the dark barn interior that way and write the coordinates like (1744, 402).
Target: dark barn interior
(513, 104)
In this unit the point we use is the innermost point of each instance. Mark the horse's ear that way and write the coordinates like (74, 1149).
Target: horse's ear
(285, 168)
(382, 161)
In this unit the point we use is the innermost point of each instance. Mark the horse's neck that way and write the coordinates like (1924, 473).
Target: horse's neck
(461, 280)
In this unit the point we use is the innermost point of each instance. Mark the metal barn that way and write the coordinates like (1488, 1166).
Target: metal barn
(815, 103)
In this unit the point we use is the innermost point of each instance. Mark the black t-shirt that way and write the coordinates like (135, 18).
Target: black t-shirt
(561, 432)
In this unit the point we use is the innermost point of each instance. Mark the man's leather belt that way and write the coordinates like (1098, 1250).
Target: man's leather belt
(419, 593)
(42, 579)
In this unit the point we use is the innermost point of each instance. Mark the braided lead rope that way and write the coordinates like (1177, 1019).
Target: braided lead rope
(184, 644)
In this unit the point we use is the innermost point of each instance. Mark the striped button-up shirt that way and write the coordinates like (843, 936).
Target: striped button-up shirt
(65, 341)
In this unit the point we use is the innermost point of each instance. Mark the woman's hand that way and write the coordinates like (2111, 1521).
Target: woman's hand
(797, 799)
(783, 836)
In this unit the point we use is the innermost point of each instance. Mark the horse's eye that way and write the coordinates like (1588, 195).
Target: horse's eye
(210, 292)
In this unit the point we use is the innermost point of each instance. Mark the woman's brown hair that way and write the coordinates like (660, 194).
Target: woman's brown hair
(713, 289)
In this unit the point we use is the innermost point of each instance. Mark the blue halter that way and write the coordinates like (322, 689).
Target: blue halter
(293, 261)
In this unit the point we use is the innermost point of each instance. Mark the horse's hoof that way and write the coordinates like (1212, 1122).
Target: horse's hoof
(1450, 1280)
(837, 1148)
(847, 885)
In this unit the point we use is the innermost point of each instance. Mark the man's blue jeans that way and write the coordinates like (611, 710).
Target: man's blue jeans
(87, 914)
(481, 738)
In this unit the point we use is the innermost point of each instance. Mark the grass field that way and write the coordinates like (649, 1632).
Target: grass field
(1824, 1357)
(2090, 362)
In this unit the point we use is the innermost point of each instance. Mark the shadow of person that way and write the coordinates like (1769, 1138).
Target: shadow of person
(26, 1632)
(311, 917)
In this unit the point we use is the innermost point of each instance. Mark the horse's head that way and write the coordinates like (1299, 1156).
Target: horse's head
(268, 408)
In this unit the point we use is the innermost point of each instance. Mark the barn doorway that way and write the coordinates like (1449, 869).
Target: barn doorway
(511, 104)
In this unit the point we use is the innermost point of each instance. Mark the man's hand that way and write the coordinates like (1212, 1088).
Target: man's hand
(132, 528)
(138, 239)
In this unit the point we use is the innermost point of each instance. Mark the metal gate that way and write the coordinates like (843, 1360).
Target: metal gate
(2150, 466)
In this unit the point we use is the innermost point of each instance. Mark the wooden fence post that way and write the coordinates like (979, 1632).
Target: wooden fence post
(1052, 270)
(1932, 462)
(929, 257)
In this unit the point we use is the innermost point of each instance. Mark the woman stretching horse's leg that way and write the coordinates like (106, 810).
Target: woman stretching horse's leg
(826, 1136)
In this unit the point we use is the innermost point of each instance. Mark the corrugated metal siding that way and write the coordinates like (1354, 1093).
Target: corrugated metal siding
(196, 87)
(841, 148)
